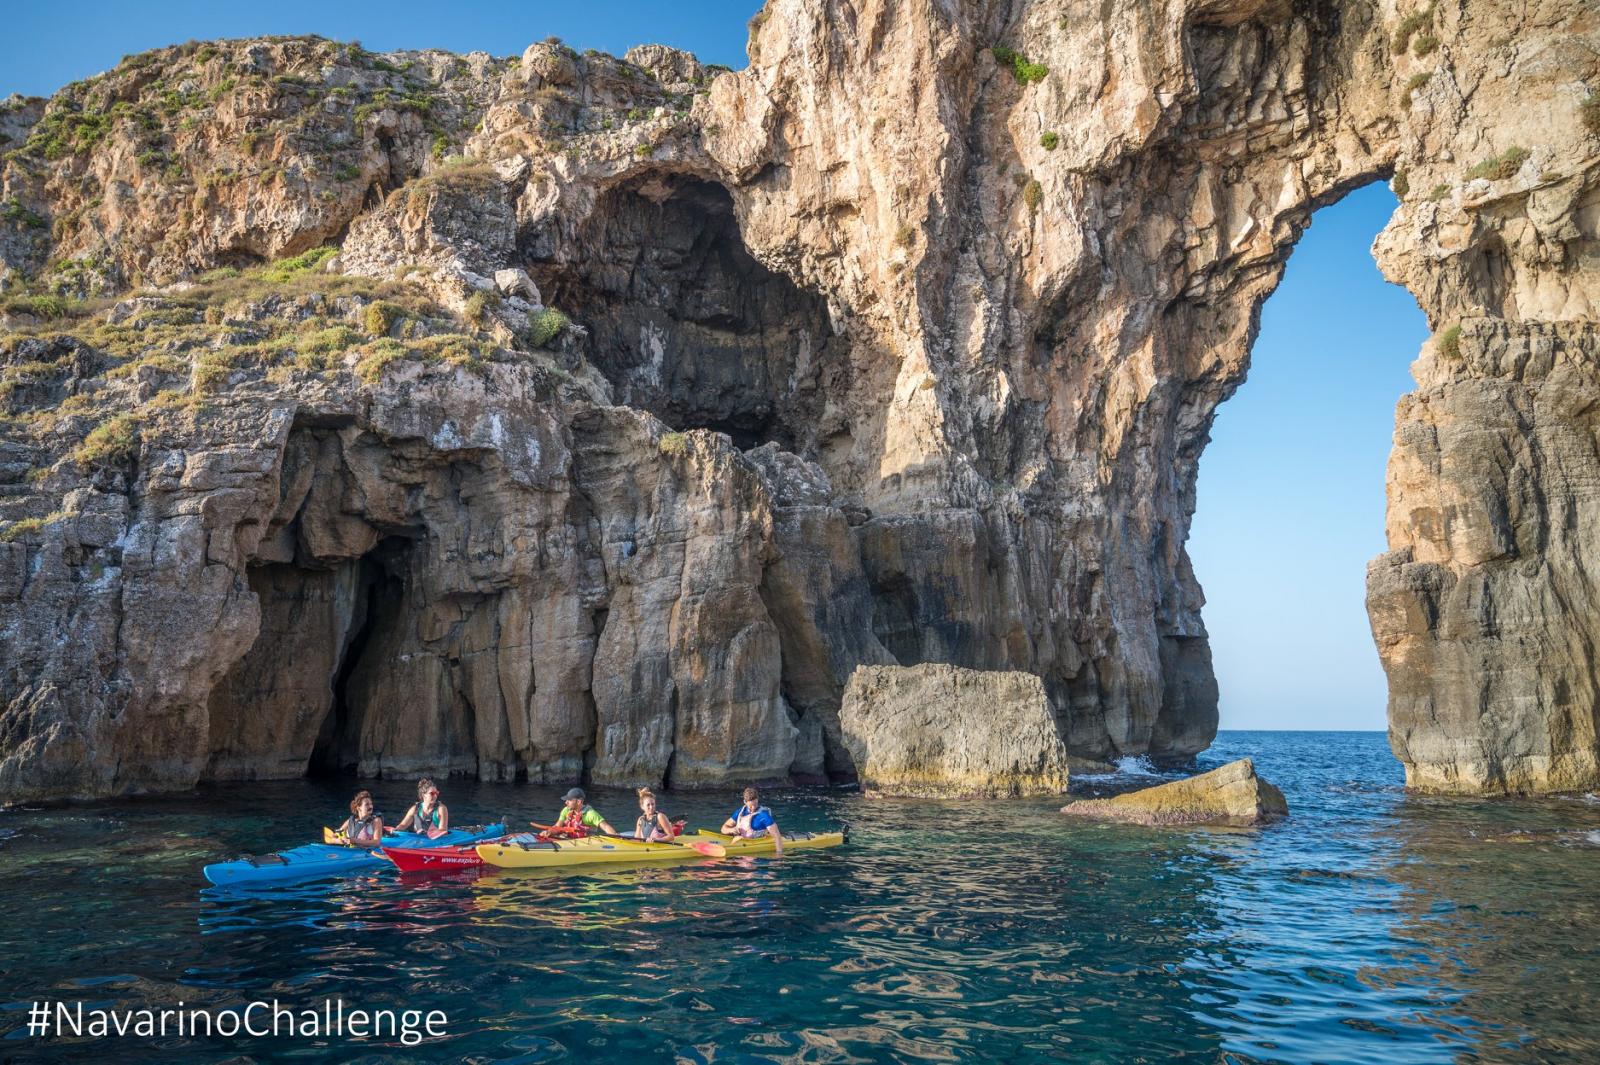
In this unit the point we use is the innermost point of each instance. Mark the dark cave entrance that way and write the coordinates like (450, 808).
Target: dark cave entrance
(295, 704)
(379, 601)
(685, 323)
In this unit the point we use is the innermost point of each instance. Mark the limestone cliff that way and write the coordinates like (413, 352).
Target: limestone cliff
(899, 346)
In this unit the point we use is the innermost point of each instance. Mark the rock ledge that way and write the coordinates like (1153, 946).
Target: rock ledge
(1228, 795)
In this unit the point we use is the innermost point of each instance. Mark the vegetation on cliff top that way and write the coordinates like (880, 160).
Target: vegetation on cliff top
(224, 330)
(297, 111)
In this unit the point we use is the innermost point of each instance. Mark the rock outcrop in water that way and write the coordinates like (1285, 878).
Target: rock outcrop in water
(1229, 795)
(899, 347)
(938, 730)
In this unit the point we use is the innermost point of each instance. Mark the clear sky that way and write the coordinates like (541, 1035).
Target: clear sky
(1291, 496)
(47, 45)
(1291, 487)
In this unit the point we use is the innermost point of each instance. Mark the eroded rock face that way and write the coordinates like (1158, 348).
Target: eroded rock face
(899, 347)
(1228, 795)
(937, 730)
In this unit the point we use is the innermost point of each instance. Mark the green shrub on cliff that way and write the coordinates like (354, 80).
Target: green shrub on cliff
(1500, 167)
(545, 326)
(296, 265)
(1450, 342)
(212, 372)
(42, 305)
(12, 210)
(478, 306)
(673, 444)
(1413, 83)
(1049, 139)
(63, 131)
(1409, 27)
(28, 526)
(380, 317)
(1025, 72)
(376, 357)
(333, 340)
(111, 442)
(1424, 45)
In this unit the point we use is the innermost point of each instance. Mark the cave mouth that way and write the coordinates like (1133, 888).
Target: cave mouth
(685, 323)
(293, 705)
(379, 601)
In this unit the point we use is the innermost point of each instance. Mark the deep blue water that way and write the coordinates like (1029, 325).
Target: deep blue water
(1370, 927)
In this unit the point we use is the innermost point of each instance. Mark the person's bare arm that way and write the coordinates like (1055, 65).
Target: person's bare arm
(406, 821)
(777, 837)
(444, 823)
(729, 827)
(605, 826)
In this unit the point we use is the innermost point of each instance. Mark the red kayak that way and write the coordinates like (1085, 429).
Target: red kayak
(433, 859)
(444, 859)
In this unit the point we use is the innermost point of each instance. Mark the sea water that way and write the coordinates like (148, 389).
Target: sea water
(1372, 926)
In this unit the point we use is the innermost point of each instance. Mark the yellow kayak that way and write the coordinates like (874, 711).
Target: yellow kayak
(528, 851)
(797, 841)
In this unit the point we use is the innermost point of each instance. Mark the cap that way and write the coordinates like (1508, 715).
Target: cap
(575, 793)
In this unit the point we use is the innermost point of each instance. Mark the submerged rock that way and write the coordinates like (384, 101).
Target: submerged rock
(1228, 795)
(940, 730)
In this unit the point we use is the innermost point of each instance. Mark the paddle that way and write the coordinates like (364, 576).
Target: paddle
(703, 846)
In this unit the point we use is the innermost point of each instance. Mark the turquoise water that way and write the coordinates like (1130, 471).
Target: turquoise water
(1371, 927)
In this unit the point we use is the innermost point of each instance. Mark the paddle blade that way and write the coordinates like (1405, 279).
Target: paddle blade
(330, 836)
(709, 849)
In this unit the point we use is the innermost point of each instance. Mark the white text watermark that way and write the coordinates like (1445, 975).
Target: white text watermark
(260, 1019)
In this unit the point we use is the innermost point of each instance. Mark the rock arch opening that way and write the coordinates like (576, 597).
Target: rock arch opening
(687, 324)
(1291, 492)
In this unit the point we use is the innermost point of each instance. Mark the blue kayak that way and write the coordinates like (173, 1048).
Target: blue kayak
(326, 859)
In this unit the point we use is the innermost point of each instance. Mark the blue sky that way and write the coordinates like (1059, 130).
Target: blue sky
(1291, 488)
(1290, 501)
(47, 45)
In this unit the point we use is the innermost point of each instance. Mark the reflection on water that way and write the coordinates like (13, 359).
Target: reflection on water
(1370, 927)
